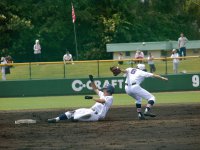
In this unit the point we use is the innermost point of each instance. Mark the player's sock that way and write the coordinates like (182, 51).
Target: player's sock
(147, 109)
(57, 119)
(63, 117)
(149, 105)
(139, 109)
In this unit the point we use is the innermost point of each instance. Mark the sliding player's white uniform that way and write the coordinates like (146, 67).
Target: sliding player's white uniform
(96, 112)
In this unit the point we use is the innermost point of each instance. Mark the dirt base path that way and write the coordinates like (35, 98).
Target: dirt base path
(175, 127)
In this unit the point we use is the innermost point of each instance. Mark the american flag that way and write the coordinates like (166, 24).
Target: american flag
(73, 14)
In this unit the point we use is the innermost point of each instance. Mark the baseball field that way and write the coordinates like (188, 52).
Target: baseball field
(175, 127)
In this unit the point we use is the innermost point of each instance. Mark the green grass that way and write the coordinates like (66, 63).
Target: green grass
(82, 69)
(78, 101)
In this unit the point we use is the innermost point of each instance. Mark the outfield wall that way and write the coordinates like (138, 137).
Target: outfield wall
(183, 82)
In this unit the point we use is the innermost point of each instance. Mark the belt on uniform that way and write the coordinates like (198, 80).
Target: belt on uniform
(130, 84)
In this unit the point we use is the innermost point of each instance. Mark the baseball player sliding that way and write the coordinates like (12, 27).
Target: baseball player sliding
(134, 77)
(96, 112)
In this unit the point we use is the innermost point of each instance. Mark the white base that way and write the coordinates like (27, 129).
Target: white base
(25, 121)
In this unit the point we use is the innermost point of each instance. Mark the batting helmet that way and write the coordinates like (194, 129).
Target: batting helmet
(110, 89)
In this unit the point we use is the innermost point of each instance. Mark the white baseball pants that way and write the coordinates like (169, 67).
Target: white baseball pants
(137, 92)
(83, 114)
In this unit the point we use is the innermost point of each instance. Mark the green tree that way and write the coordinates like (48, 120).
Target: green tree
(98, 22)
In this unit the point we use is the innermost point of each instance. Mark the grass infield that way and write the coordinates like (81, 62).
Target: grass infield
(54, 102)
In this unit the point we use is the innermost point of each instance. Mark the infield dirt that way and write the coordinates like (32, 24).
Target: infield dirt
(177, 127)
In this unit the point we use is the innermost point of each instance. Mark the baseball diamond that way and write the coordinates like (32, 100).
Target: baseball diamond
(176, 127)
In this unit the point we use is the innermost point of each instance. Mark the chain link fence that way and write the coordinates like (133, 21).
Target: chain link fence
(98, 68)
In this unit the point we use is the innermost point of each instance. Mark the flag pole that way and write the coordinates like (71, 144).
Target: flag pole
(75, 39)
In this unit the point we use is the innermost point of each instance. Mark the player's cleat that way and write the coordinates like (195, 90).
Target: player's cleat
(53, 120)
(149, 114)
(141, 116)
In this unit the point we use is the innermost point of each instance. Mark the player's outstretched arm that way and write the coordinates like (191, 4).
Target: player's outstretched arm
(159, 77)
(123, 70)
(93, 84)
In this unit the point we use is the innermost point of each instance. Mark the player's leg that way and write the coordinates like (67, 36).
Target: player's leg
(154, 68)
(184, 51)
(151, 68)
(65, 116)
(86, 114)
(151, 100)
(147, 111)
(132, 91)
(181, 52)
(138, 105)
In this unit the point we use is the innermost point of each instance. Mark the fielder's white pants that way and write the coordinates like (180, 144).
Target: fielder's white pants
(83, 114)
(137, 92)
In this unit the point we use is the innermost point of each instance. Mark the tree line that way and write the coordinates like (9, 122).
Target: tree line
(98, 22)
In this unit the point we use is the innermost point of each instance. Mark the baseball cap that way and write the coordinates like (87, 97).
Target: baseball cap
(141, 66)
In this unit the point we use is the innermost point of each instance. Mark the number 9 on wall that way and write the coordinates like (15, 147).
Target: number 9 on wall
(195, 80)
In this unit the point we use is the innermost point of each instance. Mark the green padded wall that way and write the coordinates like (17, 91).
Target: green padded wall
(183, 82)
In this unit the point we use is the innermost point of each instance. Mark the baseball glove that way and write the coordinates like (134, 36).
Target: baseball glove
(88, 97)
(115, 70)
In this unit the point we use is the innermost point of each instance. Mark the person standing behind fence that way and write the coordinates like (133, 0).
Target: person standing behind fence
(37, 51)
(175, 56)
(6, 69)
(151, 63)
(120, 57)
(139, 55)
(68, 58)
(182, 45)
(3, 68)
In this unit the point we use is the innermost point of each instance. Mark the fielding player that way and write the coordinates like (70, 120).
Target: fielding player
(134, 77)
(96, 112)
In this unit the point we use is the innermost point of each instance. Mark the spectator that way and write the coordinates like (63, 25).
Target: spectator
(5, 69)
(182, 45)
(68, 57)
(37, 51)
(139, 55)
(151, 63)
(175, 56)
(120, 57)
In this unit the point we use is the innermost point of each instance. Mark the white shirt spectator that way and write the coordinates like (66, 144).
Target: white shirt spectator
(37, 47)
(139, 55)
(182, 41)
(68, 57)
(175, 57)
(3, 68)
